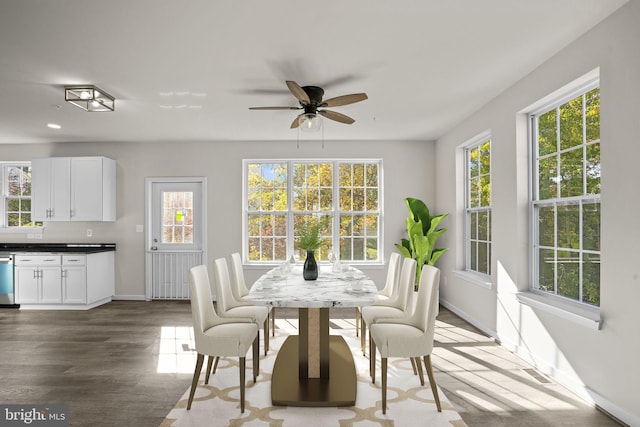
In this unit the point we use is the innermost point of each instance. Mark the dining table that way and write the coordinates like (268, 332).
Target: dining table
(314, 368)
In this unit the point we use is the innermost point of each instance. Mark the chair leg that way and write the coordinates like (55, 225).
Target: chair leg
(243, 362)
(384, 385)
(432, 381)
(196, 375)
(372, 359)
(413, 365)
(266, 335)
(256, 358)
(419, 364)
(273, 322)
(363, 333)
(357, 320)
(208, 371)
(215, 365)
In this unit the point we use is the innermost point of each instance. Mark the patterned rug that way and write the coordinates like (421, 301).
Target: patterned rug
(408, 403)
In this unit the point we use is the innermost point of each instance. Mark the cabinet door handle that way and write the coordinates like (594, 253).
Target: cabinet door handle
(64, 273)
(35, 274)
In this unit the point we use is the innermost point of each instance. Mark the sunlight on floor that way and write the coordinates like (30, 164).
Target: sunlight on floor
(177, 350)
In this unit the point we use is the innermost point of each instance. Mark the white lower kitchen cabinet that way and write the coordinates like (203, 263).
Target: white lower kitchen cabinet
(64, 281)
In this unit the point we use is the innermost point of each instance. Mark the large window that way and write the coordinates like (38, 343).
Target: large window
(344, 197)
(478, 206)
(16, 196)
(566, 197)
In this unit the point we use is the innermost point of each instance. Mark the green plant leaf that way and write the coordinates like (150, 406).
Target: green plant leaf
(420, 212)
(435, 254)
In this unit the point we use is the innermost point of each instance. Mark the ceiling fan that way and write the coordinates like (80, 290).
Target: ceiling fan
(310, 99)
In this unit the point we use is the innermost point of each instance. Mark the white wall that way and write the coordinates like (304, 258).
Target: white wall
(408, 169)
(601, 365)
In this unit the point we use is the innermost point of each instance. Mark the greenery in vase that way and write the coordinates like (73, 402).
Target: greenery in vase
(309, 238)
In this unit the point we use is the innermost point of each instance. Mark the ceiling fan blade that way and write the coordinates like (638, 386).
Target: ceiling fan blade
(344, 100)
(298, 92)
(296, 121)
(338, 117)
(275, 108)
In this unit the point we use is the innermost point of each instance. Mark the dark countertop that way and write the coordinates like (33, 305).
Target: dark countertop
(86, 248)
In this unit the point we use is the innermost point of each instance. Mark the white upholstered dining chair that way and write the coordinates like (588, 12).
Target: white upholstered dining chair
(399, 305)
(240, 289)
(411, 336)
(217, 337)
(385, 294)
(228, 306)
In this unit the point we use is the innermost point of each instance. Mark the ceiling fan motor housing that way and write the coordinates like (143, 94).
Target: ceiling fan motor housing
(315, 94)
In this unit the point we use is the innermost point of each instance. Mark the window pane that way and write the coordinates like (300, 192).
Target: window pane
(358, 175)
(345, 175)
(593, 114)
(253, 224)
(474, 256)
(326, 199)
(591, 226)
(358, 199)
(591, 279)
(345, 199)
(569, 226)
(485, 158)
(372, 199)
(571, 173)
(483, 250)
(482, 226)
(571, 124)
(592, 169)
(546, 226)
(474, 193)
(569, 274)
(372, 175)
(547, 133)
(474, 164)
(372, 225)
(358, 249)
(372, 249)
(547, 178)
(485, 190)
(473, 231)
(546, 270)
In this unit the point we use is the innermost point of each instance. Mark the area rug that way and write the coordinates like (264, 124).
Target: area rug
(218, 404)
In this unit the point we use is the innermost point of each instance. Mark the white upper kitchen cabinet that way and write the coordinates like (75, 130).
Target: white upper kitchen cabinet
(50, 194)
(73, 189)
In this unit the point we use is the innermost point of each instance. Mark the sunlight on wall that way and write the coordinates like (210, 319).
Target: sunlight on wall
(177, 350)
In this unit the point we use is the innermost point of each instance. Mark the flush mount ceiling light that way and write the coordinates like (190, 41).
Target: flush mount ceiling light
(89, 98)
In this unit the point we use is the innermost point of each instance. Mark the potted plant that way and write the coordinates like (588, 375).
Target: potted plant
(422, 233)
(309, 240)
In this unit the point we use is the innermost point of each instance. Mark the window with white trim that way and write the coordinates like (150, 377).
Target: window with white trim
(16, 196)
(565, 140)
(478, 205)
(344, 196)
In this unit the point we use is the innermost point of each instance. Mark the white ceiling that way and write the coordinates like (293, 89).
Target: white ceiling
(188, 70)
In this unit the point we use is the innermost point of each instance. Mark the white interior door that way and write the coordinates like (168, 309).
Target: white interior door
(176, 236)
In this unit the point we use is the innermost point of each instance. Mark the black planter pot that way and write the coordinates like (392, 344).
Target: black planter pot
(310, 269)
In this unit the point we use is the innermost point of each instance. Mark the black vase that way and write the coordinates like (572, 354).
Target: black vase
(310, 269)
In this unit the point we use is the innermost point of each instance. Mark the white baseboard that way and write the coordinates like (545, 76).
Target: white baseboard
(468, 318)
(571, 382)
(129, 298)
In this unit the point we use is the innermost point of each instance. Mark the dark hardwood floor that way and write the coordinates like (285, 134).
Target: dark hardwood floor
(103, 363)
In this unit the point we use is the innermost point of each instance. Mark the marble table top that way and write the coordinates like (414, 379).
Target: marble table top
(328, 290)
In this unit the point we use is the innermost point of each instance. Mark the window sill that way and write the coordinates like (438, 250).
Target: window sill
(588, 317)
(482, 280)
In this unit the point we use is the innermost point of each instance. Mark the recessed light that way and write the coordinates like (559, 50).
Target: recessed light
(54, 126)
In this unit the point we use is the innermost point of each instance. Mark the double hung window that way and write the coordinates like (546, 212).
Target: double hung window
(342, 196)
(478, 206)
(566, 196)
(16, 196)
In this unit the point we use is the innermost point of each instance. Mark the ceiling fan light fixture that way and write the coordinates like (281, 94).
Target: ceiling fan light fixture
(310, 122)
(89, 98)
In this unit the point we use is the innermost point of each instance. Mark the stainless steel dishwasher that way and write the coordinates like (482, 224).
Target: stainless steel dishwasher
(7, 289)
